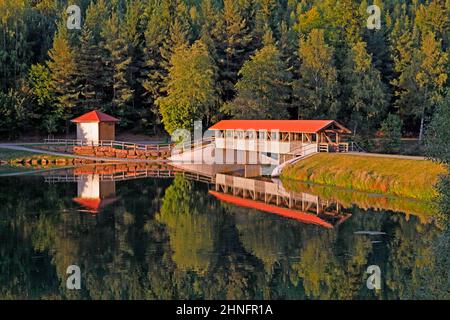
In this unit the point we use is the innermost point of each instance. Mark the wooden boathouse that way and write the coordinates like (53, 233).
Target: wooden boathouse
(285, 138)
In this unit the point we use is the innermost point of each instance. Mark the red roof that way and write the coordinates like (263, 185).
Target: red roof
(301, 126)
(94, 205)
(95, 116)
(288, 213)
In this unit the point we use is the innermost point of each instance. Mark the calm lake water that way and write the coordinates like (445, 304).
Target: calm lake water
(137, 236)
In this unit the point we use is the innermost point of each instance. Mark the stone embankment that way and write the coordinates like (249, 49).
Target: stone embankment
(43, 161)
(109, 152)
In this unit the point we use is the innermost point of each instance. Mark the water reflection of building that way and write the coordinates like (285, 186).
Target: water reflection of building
(96, 184)
(96, 189)
(94, 193)
(269, 196)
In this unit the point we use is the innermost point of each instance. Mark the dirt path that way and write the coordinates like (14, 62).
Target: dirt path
(382, 155)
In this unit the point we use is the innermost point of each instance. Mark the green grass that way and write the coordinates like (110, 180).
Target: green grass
(400, 177)
(8, 154)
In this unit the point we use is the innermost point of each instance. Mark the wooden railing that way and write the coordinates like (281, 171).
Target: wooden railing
(191, 145)
(354, 147)
(324, 147)
(304, 149)
(132, 175)
(334, 147)
(109, 143)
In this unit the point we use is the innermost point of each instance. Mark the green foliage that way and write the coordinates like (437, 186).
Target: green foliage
(191, 90)
(233, 43)
(317, 88)
(191, 230)
(438, 134)
(264, 87)
(39, 80)
(62, 67)
(438, 148)
(366, 91)
(120, 60)
(422, 78)
(13, 113)
(391, 128)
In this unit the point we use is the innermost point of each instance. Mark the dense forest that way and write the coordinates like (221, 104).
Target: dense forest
(159, 65)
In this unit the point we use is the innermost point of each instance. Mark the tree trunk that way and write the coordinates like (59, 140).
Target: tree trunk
(422, 119)
(421, 127)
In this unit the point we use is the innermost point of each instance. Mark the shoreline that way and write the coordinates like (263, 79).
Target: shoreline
(408, 178)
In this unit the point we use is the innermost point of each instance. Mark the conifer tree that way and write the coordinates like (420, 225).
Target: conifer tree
(92, 72)
(164, 33)
(233, 37)
(365, 93)
(422, 77)
(264, 88)
(63, 69)
(119, 61)
(317, 88)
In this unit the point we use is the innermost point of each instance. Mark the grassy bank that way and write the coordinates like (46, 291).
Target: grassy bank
(365, 200)
(400, 177)
(9, 155)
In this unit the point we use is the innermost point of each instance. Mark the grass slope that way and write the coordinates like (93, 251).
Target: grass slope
(400, 177)
(10, 155)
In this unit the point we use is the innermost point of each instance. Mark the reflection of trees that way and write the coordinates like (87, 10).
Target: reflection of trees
(192, 229)
(411, 261)
(265, 237)
(165, 242)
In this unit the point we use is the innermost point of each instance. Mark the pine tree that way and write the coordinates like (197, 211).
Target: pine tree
(432, 76)
(392, 131)
(422, 77)
(317, 88)
(264, 87)
(191, 88)
(90, 73)
(119, 61)
(233, 38)
(132, 32)
(365, 93)
(63, 69)
(164, 33)
(153, 71)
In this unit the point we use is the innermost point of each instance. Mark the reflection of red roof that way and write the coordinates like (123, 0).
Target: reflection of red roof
(288, 213)
(305, 126)
(94, 205)
(95, 116)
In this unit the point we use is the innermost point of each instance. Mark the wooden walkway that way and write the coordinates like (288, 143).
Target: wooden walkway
(109, 143)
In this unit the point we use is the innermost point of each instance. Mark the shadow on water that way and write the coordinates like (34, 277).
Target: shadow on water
(161, 232)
